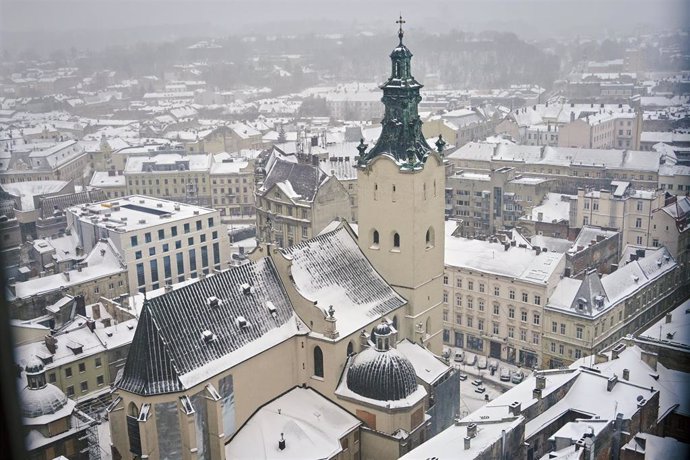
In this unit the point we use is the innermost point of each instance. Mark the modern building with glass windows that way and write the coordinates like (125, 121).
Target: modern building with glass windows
(160, 241)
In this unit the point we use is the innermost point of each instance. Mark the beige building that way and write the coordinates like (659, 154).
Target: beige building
(296, 201)
(604, 130)
(159, 241)
(583, 317)
(64, 161)
(494, 295)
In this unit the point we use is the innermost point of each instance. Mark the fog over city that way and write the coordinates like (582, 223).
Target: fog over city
(353, 230)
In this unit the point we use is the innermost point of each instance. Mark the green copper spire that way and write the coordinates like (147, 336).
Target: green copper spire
(401, 136)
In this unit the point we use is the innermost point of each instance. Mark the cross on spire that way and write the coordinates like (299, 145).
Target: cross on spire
(400, 22)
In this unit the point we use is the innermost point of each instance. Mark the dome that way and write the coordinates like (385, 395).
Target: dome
(401, 52)
(382, 375)
(383, 329)
(42, 401)
(33, 366)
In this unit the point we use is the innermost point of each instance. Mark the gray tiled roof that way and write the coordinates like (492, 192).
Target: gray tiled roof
(169, 343)
(305, 178)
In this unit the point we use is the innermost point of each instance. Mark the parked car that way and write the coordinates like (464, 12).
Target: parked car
(477, 382)
(505, 374)
(479, 390)
(493, 364)
(470, 359)
(518, 376)
(458, 357)
(462, 377)
(481, 362)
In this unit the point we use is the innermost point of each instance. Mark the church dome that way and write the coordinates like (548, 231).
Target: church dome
(36, 402)
(382, 375)
(33, 366)
(401, 52)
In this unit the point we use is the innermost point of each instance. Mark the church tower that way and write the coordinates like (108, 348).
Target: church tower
(401, 184)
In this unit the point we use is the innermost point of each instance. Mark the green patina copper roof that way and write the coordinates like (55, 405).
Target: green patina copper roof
(401, 136)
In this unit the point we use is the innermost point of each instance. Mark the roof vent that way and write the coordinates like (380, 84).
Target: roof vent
(196, 212)
(142, 221)
(241, 322)
(159, 205)
(272, 309)
(281, 442)
(213, 302)
(130, 326)
(142, 201)
(208, 336)
(246, 288)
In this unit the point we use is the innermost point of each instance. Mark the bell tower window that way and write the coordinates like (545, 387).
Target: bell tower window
(375, 238)
(396, 240)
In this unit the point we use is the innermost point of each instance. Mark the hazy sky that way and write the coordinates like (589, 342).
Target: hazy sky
(40, 23)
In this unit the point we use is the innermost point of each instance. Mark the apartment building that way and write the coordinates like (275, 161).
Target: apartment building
(159, 241)
(489, 202)
(604, 130)
(572, 168)
(583, 317)
(64, 161)
(296, 201)
(494, 295)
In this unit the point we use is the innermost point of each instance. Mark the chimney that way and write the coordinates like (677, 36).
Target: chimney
(617, 350)
(669, 318)
(91, 324)
(106, 322)
(540, 382)
(536, 393)
(515, 408)
(611, 382)
(281, 442)
(66, 275)
(649, 358)
(626, 374)
(472, 430)
(51, 343)
(467, 440)
(600, 238)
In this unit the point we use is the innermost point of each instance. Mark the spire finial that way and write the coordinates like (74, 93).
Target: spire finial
(400, 22)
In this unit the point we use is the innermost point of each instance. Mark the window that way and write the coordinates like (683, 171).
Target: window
(536, 319)
(198, 225)
(561, 349)
(537, 300)
(147, 237)
(511, 332)
(82, 367)
(445, 279)
(318, 362)
(638, 240)
(578, 332)
(173, 231)
(161, 234)
(141, 279)
(458, 300)
(480, 324)
(445, 315)
(152, 251)
(374, 237)
(535, 338)
(497, 291)
(523, 316)
(134, 240)
(458, 319)
(469, 321)
(178, 244)
(470, 285)
(481, 304)
(496, 328)
(511, 294)
(98, 362)
(430, 238)
(481, 287)
(523, 335)
(137, 255)
(638, 223)
(70, 390)
(554, 326)
(458, 282)
(525, 297)
(578, 353)
(100, 380)
(553, 347)
(511, 312)
(396, 240)
(186, 228)
(84, 386)
(190, 241)
(562, 328)
(497, 309)
(192, 260)
(639, 205)
(470, 303)
(445, 297)
(595, 206)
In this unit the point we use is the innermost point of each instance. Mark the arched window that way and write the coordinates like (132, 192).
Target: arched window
(133, 429)
(350, 348)
(396, 240)
(133, 411)
(375, 238)
(430, 238)
(318, 362)
(395, 322)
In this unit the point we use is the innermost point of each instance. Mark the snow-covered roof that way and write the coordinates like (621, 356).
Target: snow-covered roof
(105, 179)
(331, 270)
(27, 190)
(427, 366)
(168, 162)
(554, 208)
(485, 256)
(673, 329)
(656, 447)
(309, 423)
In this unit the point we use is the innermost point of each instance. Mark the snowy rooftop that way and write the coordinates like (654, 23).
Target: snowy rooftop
(558, 156)
(26, 191)
(105, 179)
(588, 234)
(135, 212)
(102, 261)
(331, 270)
(168, 162)
(657, 447)
(427, 366)
(674, 328)
(309, 423)
(554, 208)
(520, 263)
